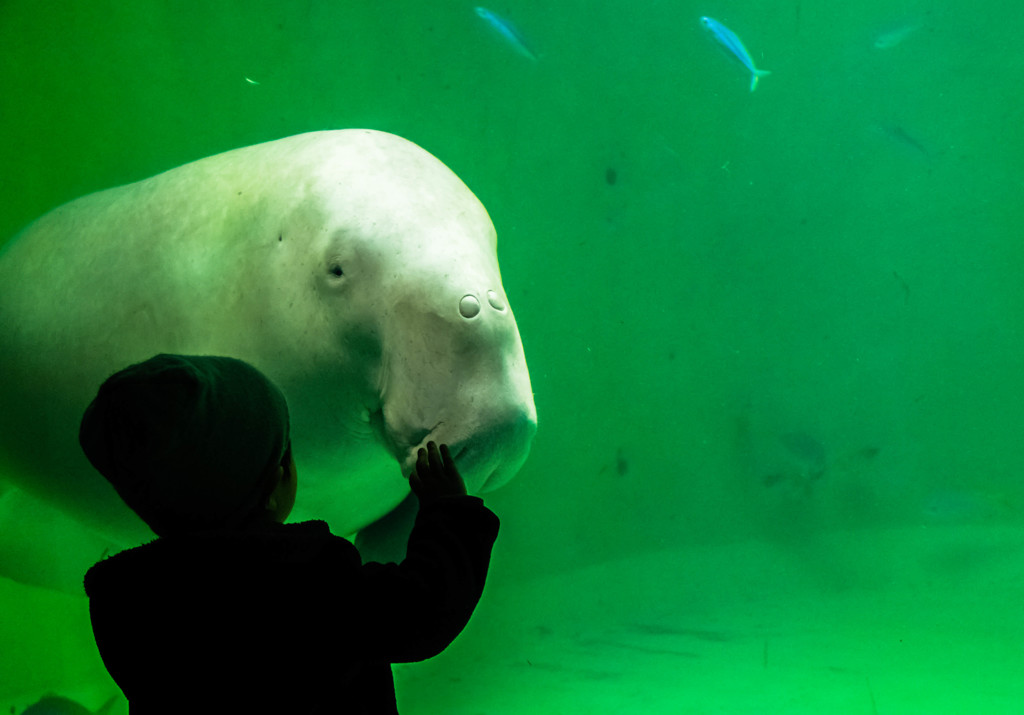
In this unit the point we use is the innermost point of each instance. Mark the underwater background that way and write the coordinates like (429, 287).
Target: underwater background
(773, 336)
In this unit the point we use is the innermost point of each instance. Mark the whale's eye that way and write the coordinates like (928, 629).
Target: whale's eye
(335, 270)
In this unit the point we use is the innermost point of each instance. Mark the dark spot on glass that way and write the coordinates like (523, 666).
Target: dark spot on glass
(280, 237)
(611, 176)
(621, 463)
(868, 452)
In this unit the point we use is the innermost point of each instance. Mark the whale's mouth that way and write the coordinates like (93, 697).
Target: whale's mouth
(492, 476)
(487, 459)
(497, 478)
(477, 465)
(491, 458)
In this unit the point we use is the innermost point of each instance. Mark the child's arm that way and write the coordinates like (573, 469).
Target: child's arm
(419, 606)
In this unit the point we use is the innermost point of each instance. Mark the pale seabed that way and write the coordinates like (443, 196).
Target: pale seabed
(872, 621)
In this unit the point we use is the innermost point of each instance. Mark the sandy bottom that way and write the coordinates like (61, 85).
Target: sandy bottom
(905, 621)
(902, 621)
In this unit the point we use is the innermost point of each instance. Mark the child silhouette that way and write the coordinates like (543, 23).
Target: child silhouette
(230, 610)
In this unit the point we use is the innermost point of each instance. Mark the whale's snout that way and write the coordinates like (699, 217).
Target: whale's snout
(513, 447)
(491, 455)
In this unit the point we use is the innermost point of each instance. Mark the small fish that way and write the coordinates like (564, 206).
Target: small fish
(895, 36)
(898, 134)
(250, 81)
(807, 449)
(507, 30)
(727, 39)
(953, 505)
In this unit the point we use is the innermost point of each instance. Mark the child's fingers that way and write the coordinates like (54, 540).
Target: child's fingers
(434, 456)
(450, 470)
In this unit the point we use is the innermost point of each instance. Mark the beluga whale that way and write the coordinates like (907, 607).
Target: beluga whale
(351, 266)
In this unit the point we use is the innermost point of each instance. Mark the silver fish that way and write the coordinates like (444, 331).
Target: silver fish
(728, 39)
(507, 30)
(893, 37)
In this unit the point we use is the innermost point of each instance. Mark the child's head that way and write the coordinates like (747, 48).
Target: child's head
(189, 442)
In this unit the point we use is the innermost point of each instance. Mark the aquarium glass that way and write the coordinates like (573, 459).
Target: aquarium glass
(774, 333)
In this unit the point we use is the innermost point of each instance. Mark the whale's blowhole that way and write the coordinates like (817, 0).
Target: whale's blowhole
(496, 302)
(469, 306)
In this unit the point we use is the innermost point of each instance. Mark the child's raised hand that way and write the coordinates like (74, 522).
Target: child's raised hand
(435, 475)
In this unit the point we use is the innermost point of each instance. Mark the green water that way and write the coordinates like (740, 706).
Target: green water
(773, 336)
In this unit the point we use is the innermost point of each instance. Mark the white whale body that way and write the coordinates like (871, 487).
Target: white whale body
(352, 267)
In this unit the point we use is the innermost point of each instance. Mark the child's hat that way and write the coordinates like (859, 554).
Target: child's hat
(189, 442)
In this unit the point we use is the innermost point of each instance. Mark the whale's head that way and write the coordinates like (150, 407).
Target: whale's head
(409, 263)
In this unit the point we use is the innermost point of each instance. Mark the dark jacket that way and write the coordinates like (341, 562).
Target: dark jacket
(284, 619)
